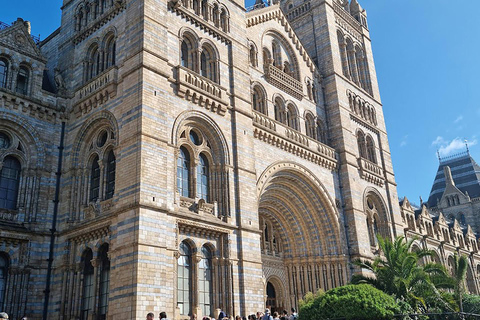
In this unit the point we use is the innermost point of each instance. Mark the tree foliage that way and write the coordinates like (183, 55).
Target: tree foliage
(351, 302)
(399, 271)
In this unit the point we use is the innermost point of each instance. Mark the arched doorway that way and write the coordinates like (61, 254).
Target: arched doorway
(271, 298)
(300, 240)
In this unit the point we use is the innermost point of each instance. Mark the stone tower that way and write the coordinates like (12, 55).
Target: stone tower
(335, 33)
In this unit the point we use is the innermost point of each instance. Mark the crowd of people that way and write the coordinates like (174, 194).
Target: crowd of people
(267, 315)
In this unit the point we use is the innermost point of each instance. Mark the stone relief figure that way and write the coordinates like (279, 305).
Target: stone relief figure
(59, 81)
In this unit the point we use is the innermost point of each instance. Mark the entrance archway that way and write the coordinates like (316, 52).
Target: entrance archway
(271, 298)
(300, 241)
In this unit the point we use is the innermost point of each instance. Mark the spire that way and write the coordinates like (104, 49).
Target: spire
(448, 176)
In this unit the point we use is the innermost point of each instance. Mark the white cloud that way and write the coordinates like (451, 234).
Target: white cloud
(447, 148)
(438, 141)
(459, 118)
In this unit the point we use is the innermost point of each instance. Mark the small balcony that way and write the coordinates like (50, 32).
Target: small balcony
(96, 91)
(283, 81)
(371, 172)
(8, 215)
(201, 90)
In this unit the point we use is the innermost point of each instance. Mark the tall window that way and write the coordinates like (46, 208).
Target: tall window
(205, 9)
(310, 126)
(224, 21)
(279, 111)
(352, 63)
(3, 73)
(277, 55)
(205, 282)
(361, 144)
(22, 81)
(183, 173)
(371, 154)
(110, 53)
(188, 54)
(88, 294)
(253, 56)
(215, 15)
(94, 180)
(184, 274)
(9, 182)
(104, 282)
(258, 100)
(208, 64)
(292, 117)
(110, 175)
(3, 278)
(93, 63)
(202, 178)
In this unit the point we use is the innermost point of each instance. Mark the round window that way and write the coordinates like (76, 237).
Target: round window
(102, 138)
(4, 141)
(194, 137)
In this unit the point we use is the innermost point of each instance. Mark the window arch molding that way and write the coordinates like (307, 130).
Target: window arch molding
(279, 105)
(371, 149)
(210, 67)
(273, 35)
(189, 45)
(23, 79)
(93, 60)
(5, 71)
(259, 98)
(109, 48)
(213, 145)
(224, 18)
(375, 207)
(292, 115)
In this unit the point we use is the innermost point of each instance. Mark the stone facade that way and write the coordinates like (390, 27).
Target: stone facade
(191, 156)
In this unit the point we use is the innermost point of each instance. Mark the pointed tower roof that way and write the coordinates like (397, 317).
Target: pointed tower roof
(465, 175)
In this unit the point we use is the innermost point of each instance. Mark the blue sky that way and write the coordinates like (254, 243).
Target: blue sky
(426, 55)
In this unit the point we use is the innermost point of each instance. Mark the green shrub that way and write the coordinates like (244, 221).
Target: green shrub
(351, 302)
(471, 303)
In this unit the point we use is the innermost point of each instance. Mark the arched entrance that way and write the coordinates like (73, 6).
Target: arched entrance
(300, 243)
(271, 297)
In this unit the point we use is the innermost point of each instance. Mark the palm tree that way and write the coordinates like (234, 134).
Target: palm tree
(399, 272)
(459, 272)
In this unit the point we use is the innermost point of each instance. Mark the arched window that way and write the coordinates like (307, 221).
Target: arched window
(110, 48)
(184, 275)
(3, 277)
(208, 64)
(361, 144)
(321, 132)
(196, 6)
(279, 111)
(104, 282)
(343, 54)
(93, 63)
(205, 282)
(205, 9)
(224, 21)
(267, 58)
(22, 81)
(88, 294)
(188, 53)
(94, 180)
(110, 175)
(253, 56)
(202, 179)
(371, 154)
(292, 117)
(360, 60)
(352, 63)
(3, 73)
(9, 182)
(258, 100)
(183, 173)
(310, 126)
(215, 15)
(277, 55)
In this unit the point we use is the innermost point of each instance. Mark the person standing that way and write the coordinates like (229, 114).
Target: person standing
(267, 315)
(163, 315)
(150, 316)
(294, 315)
